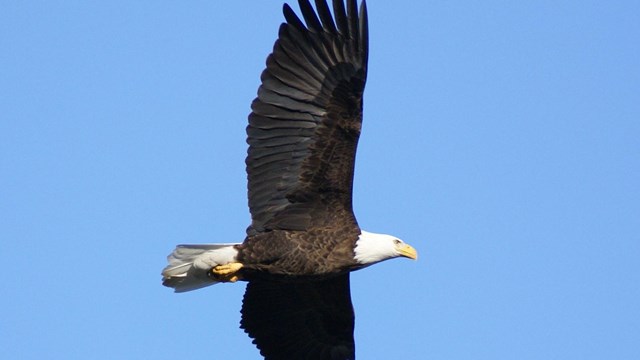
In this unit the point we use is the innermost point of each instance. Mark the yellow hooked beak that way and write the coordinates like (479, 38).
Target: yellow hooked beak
(407, 250)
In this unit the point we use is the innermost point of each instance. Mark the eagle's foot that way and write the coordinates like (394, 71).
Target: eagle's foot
(227, 272)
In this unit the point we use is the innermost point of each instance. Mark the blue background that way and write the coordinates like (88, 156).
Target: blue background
(501, 139)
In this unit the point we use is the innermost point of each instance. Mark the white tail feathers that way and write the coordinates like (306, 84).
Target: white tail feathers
(189, 265)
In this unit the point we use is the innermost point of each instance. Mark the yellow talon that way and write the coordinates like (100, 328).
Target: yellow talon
(227, 268)
(226, 272)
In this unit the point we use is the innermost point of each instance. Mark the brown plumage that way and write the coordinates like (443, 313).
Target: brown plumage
(306, 120)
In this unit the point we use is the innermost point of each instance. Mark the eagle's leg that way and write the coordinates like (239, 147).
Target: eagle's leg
(227, 272)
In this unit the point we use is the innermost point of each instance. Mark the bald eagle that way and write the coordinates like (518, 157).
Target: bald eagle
(303, 240)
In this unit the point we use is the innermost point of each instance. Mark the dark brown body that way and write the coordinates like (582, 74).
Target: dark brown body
(291, 253)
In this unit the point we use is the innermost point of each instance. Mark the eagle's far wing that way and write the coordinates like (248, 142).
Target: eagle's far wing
(305, 123)
(300, 320)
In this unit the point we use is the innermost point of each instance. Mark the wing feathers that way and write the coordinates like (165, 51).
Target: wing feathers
(352, 17)
(364, 32)
(288, 103)
(292, 18)
(341, 17)
(310, 16)
(325, 17)
(300, 320)
(305, 122)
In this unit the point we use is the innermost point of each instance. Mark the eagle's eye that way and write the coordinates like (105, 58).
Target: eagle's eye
(397, 242)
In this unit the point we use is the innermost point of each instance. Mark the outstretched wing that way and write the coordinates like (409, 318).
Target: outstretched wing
(304, 128)
(300, 320)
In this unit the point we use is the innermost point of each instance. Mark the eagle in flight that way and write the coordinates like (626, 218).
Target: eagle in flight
(303, 240)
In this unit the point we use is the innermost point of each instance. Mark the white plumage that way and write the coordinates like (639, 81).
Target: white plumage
(189, 265)
(372, 248)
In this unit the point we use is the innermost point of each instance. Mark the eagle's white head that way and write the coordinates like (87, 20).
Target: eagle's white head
(372, 248)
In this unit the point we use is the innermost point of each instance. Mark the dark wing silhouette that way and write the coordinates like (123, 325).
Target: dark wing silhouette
(306, 120)
(300, 320)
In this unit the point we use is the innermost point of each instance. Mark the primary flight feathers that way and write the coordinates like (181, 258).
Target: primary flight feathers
(306, 120)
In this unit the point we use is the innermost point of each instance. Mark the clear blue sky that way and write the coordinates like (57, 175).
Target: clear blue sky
(501, 139)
